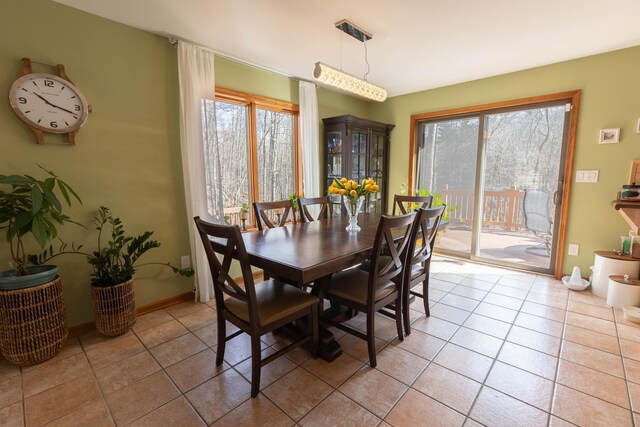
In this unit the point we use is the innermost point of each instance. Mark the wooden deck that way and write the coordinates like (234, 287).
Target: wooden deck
(520, 247)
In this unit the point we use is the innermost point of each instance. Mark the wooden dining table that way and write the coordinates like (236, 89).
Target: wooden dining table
(309, 253)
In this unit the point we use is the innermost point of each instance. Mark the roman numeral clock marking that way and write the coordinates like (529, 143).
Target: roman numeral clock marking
(48, 103)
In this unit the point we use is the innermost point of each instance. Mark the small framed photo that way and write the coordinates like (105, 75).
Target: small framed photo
(634, 177)
(609, 136)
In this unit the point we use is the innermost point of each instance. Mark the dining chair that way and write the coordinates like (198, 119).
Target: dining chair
(399, 202)
(324, 204)
(255, 308)
(370, 291)
(265, 215)
(418, 259)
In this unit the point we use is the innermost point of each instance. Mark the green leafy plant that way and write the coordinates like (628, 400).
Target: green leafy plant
(31, 206)
(244, 208)
(423, 192)
(294, 199)
(115, 262)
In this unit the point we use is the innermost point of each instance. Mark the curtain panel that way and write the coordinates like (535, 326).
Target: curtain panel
(196, 82)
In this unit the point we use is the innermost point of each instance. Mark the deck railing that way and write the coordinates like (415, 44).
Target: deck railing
(502, 209)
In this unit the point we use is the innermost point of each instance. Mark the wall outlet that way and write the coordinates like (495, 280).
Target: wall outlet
(573, 249)
(185, 261)
(587, 176)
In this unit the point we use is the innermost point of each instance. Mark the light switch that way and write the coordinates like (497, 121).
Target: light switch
(587, 176)
(573, 249)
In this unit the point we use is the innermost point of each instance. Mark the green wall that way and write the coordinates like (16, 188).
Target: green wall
(610, 94)
(128, 152)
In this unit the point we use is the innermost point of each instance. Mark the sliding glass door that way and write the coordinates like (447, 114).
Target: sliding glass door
(500, 172)
(446, 165)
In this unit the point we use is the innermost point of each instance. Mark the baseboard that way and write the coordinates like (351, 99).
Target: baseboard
(187, 296)
(83, 328)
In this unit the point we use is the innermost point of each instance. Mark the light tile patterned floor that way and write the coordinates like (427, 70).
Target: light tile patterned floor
(502, 348)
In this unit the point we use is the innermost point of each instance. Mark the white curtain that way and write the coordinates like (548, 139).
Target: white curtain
(309, 134)
(196, 80)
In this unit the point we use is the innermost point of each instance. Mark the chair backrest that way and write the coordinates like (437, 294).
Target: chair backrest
(265, 217)
(392, 236)
(536, 207)
(425, 228)
(223, 284)
(399, 202)
(324, 204)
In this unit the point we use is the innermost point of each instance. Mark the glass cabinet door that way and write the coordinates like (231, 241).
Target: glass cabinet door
(376, 170)
(358, 155)
(334, 165)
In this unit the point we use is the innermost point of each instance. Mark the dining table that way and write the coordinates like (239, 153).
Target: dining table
(307, 254)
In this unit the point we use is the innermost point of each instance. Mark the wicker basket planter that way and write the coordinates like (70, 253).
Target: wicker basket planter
(114, 308)
(33, 323)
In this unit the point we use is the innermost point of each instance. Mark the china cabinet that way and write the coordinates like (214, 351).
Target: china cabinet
(357, 148)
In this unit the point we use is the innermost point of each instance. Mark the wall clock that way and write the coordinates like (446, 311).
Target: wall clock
(48, 103)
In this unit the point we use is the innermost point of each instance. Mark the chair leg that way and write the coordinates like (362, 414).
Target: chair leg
(315, 335)
(222, 340)
(425, 296)
(371, 339)
(399, 317)
(406, 294)
(255, 365)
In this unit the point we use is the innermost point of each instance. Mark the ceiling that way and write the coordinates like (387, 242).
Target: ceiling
(416, 45)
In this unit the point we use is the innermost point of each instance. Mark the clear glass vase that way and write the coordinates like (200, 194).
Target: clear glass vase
(353, 206)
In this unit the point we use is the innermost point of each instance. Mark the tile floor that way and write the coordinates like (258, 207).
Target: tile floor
(502, 348)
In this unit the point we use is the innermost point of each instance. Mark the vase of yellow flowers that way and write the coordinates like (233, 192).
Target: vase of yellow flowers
(353, 197)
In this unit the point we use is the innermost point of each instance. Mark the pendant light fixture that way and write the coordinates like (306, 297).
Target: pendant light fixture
(334, 77)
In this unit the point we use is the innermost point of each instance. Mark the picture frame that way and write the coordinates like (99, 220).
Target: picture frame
(609, 136)
(638, 126)
(634, 176)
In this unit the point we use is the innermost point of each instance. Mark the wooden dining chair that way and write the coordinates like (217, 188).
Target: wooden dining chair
(418, 259)
(399, 202)
(265, 216)
(255, 308)
(324, 204)
(370, 291)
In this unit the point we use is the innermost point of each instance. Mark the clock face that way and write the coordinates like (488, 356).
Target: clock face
(48, 103)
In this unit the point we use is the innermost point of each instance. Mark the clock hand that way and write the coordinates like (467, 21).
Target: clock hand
(53, 105)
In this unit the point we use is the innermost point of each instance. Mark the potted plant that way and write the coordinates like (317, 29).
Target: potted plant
(33, 321)
(244, 215)
(31, 207)
(114, 265)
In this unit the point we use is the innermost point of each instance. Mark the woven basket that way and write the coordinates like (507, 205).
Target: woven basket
(33, 323)
(114, 308)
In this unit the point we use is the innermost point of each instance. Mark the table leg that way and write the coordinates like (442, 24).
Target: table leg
(330, 350)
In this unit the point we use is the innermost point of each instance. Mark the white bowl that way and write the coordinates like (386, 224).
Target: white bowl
(573, 286)
(631, 313)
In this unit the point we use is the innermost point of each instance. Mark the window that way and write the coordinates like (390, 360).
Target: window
(250, 151)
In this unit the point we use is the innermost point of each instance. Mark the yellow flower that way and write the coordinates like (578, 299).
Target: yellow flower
(334, 184)
(343, 180)
(355, 185)
(347, 185)
(331, 190)
(353, 193)
(367, 187)
(341, 192)
(374, 187)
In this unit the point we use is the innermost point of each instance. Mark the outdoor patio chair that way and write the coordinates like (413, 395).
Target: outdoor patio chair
(538, 217)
